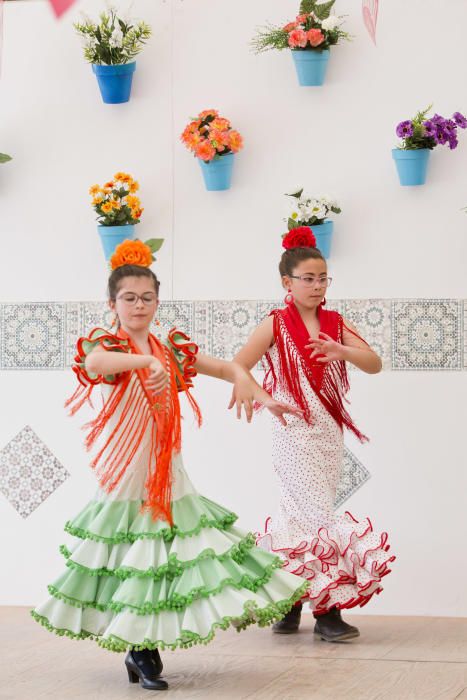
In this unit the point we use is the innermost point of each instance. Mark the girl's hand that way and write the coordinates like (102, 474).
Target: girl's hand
(243, 396)
(330, 350)
(278, 409)
(158, 377)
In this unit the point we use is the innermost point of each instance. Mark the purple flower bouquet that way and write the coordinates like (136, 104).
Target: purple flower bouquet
(420, 136)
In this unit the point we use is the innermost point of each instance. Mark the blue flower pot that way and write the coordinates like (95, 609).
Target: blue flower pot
(311, 66)
(218, 172)
(411, 165)
(323, 234)
(115, 81)
(111, 236)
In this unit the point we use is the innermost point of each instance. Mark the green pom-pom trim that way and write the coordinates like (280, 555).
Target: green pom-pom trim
(175, 602)
(168, 534)
(252, 614)
(173, 569)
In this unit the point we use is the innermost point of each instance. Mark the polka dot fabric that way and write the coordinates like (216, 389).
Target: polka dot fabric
(343, 559)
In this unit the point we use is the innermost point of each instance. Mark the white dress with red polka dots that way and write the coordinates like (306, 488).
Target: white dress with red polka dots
(343, 559)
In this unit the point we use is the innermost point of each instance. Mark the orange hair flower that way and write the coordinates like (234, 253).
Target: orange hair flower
(131, 253)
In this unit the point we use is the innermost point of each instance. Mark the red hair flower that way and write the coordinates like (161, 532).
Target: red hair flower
(301, 237)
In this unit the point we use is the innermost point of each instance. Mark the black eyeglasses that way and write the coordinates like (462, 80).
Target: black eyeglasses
(130, 298)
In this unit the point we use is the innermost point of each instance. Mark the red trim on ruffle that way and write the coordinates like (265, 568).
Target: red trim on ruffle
(329, 556)
(79, 367)
(190, 350)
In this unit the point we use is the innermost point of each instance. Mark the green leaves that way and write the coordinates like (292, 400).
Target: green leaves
(296, 194)
(268, 38)
(4, 158)
(291, 223)
(155, 244)
(322, 11)
(113, 41)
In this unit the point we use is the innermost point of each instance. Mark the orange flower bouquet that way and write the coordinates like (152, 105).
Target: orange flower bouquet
(118, 210)
(116, 203)
(213, 141)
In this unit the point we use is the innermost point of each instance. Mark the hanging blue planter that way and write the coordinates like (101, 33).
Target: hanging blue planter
(111, 236)
(411, 165)
(217, 173)
(311, 66)
(323, 234)
(115, 81)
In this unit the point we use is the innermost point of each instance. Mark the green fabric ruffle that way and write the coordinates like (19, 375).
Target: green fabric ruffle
(252, 614)
(122, 521)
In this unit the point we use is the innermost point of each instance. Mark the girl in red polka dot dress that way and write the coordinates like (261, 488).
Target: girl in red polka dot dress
(306, 348)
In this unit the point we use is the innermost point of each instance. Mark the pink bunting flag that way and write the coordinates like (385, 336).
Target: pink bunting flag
(61, 6)
(370, 16)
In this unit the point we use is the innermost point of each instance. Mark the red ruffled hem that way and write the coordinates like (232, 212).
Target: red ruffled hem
(326, 553)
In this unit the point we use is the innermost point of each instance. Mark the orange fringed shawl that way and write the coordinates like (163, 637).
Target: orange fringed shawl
(141, 408)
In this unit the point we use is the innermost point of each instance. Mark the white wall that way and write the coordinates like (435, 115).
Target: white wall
(391, 242)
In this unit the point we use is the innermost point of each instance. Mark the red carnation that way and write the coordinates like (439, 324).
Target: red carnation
(301, 237)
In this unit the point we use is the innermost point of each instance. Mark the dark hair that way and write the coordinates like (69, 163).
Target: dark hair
(129, 271)
(293, 256)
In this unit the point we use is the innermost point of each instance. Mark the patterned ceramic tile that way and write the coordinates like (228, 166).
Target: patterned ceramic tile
(412, 334)
(372, 318)
(202, 322)
(74, 329)
(427, 334)
(33, 336)
(264, 308)
(354, 475)
(232, 323)
(336, 305)
(177, 314)
(96, 314)
(29, 472)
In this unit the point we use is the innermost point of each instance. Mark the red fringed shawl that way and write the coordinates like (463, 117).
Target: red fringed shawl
(141, 409)
(328, 380)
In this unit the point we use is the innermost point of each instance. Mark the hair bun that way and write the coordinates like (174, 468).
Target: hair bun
(301, 237)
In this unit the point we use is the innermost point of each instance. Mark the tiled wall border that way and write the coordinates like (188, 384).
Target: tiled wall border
(410, 334)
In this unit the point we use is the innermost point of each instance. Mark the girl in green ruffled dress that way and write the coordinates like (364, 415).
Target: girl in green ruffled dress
(152, 563)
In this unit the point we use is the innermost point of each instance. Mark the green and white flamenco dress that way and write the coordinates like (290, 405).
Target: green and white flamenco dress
(132, 582)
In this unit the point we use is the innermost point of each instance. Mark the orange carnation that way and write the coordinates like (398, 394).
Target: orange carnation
(235, 141)
(205, 151)
(131, 253)
(219, 139)
(208, 113)
(220, 123)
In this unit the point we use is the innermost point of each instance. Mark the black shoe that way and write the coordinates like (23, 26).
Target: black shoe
(142, 667)
(332, 628)
(157, 661)
(290, 623)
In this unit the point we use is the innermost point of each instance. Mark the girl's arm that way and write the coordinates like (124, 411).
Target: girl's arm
(233, 373)
(248, 357)
(101, 361)
(352, 349)
(257, 345)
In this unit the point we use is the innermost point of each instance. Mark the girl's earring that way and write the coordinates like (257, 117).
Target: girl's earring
(289, 298)
(114, 321)
(157, 322)
(323, 303)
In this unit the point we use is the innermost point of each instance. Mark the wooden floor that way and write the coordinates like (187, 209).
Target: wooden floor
(396, 658)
